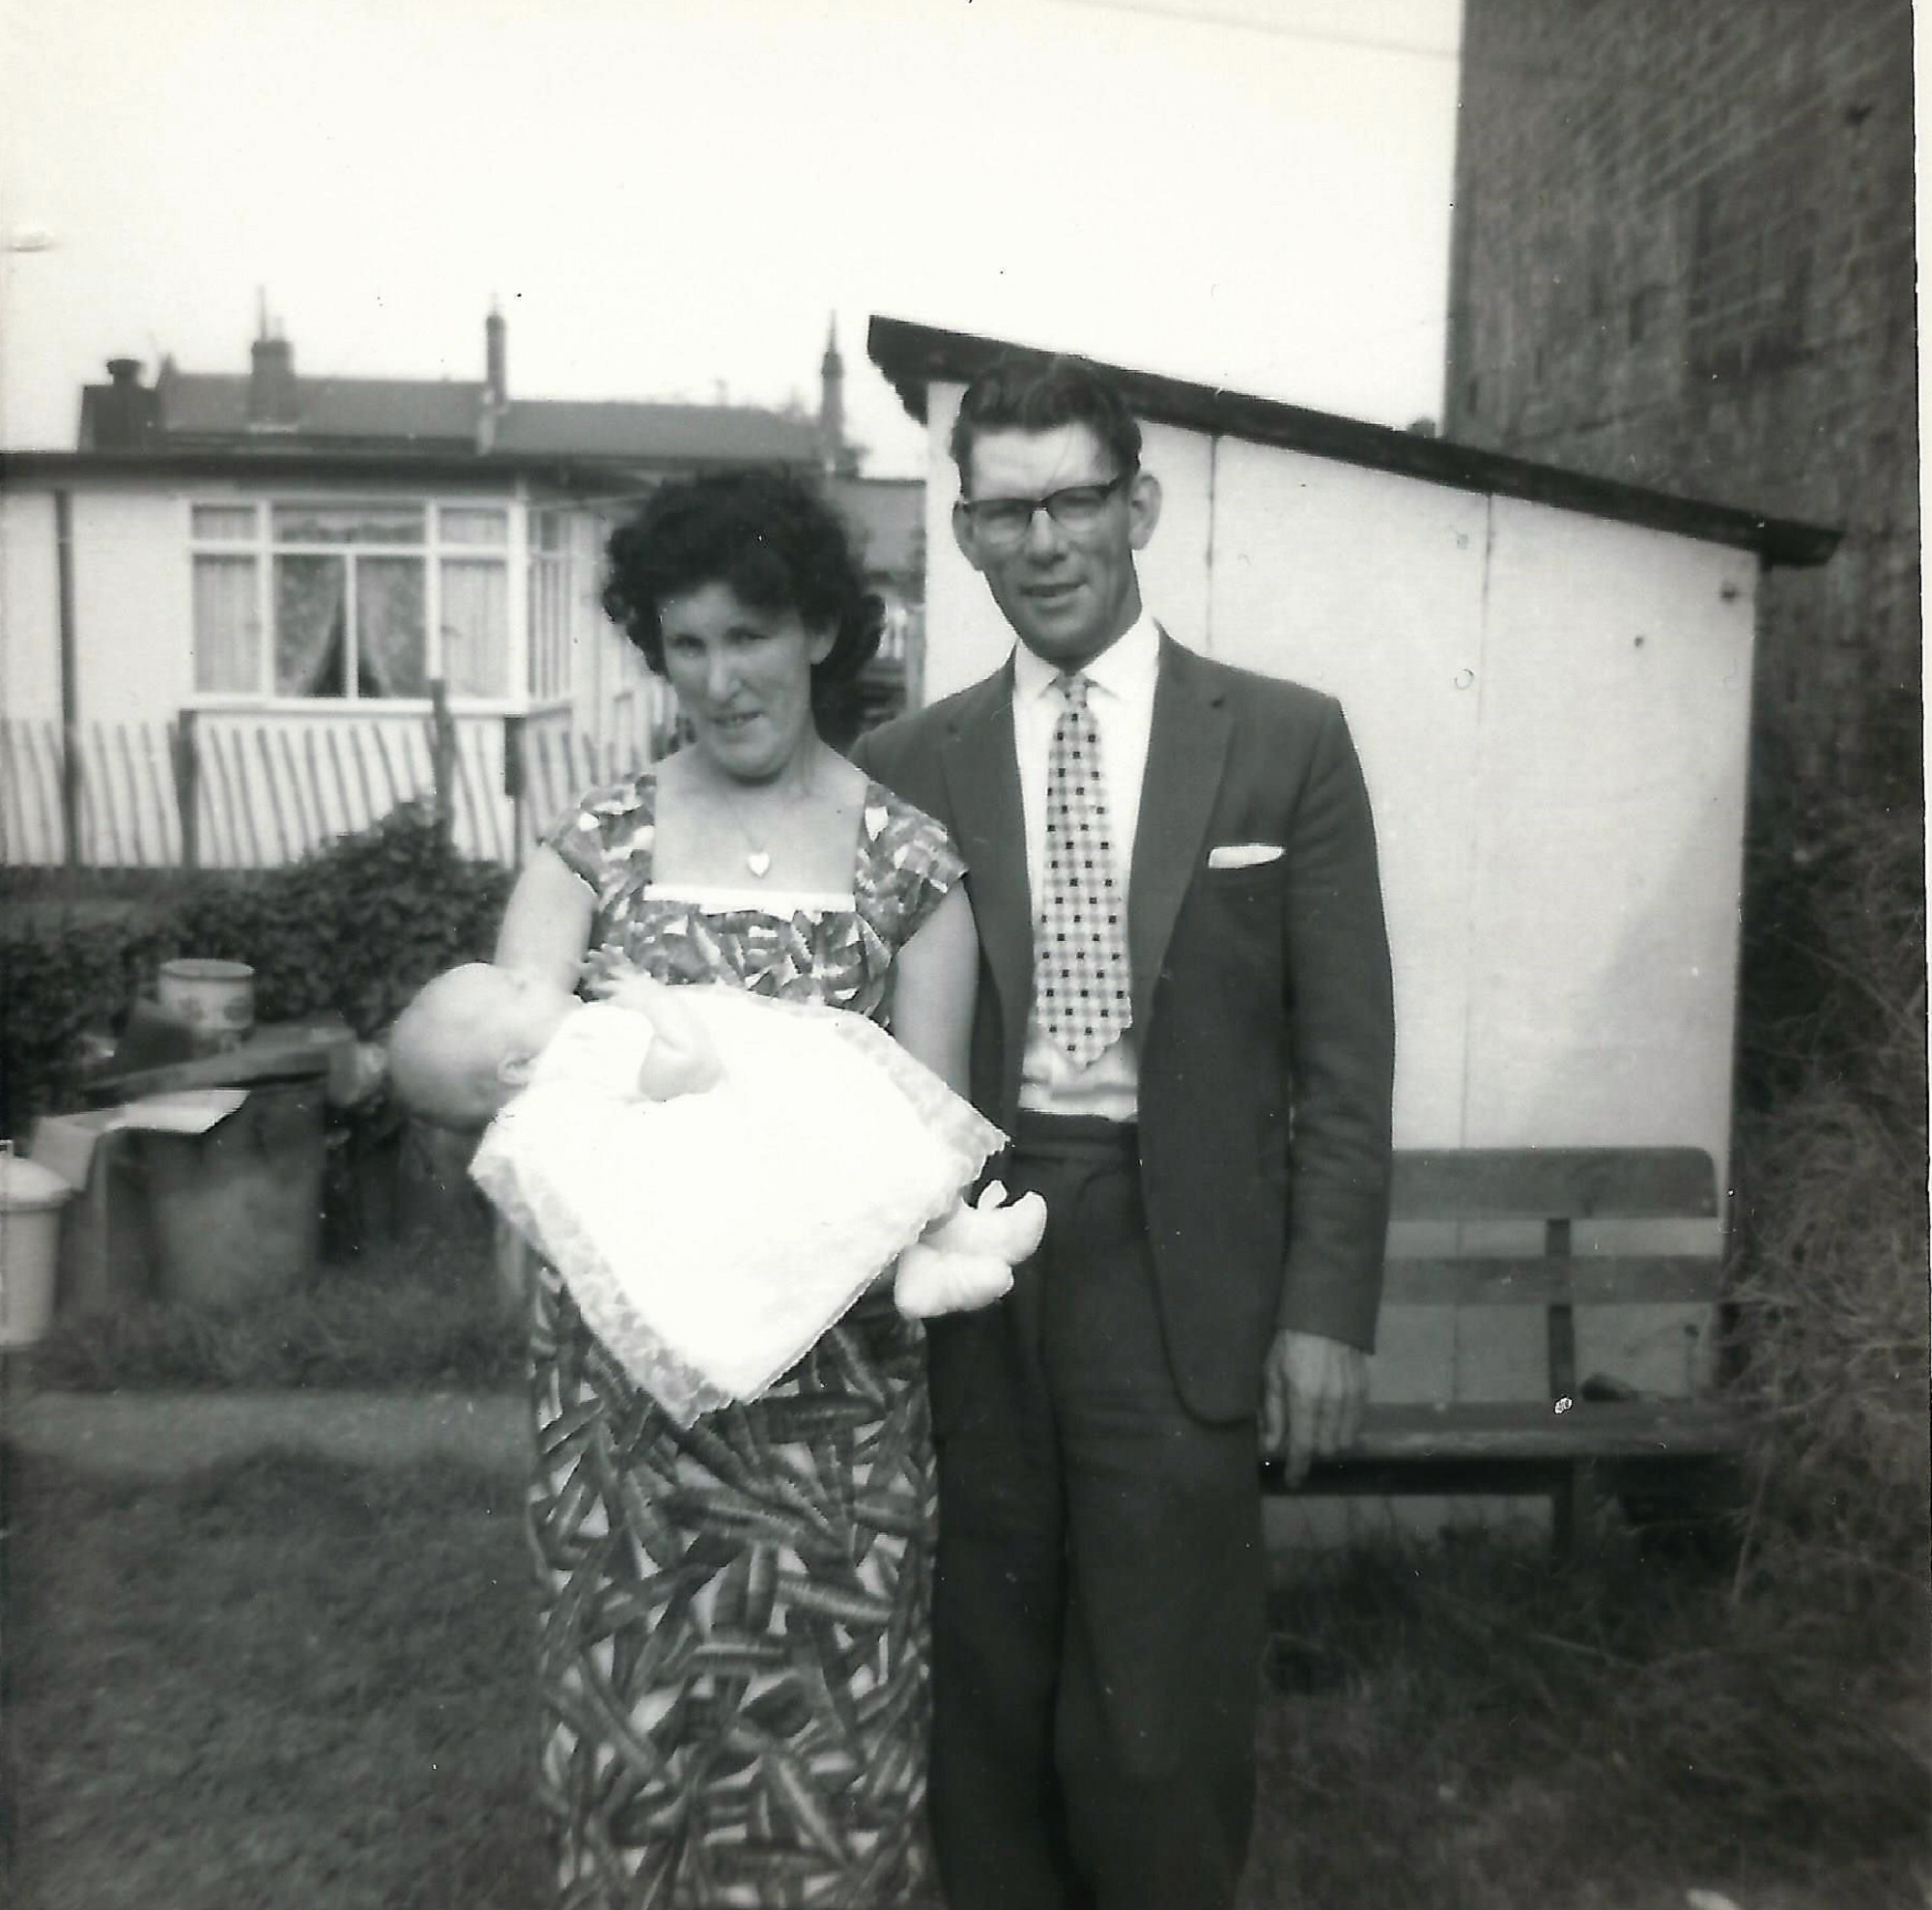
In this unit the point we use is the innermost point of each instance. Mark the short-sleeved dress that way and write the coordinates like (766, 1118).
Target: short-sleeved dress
(733, 1668)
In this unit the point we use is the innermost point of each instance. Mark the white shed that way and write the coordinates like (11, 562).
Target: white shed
(1549, 677)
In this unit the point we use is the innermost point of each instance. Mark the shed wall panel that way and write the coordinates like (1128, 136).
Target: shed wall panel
(1370, 587)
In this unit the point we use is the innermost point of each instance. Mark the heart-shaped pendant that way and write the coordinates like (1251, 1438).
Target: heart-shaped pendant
(759, 861)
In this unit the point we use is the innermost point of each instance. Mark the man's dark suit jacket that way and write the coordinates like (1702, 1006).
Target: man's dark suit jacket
(1261, 994)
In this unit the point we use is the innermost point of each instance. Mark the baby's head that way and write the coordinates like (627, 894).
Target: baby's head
(465, 1045)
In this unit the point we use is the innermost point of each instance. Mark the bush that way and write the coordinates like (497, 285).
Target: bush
(1830, 1296)
(353, 929)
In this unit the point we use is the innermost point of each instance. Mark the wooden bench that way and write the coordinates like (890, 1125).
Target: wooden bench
(1587, 1435)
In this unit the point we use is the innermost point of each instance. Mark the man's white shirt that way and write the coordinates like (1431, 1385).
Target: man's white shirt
(1120, 698)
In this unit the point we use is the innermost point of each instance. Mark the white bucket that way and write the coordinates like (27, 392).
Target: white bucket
(217, 999)
(30, 1199)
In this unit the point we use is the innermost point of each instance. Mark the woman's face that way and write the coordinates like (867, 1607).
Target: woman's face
(742, 678)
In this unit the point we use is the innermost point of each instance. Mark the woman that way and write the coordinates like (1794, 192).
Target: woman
(733, 1652)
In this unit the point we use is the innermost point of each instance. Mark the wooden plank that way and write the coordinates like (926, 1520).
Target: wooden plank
(381, 750)
(99, 794)
(162, 789)
(1550, 1183)
(268, 757)
(14, 829)
(1591, 1280)
(138, 837)
(1619, 1429)
(369, 812)
(325, 827)
(305, 836)
(350, 820)
(1355, 1477)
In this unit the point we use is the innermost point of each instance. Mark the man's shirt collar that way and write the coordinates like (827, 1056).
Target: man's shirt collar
(1124, 669)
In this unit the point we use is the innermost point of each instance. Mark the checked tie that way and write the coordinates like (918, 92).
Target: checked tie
(1084, 999)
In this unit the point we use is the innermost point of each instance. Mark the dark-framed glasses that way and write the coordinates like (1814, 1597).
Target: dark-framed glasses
(1002, 522)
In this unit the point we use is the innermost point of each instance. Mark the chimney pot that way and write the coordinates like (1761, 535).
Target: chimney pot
(273, 400)
(125, 371)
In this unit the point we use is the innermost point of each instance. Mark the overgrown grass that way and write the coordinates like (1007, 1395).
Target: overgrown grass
(424, 1312)
(289, 1682)
(300, 1681)
(1829, 1299)
(1461, 1728)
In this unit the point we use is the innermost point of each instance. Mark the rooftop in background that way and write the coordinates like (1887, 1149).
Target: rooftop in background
(270, 409)
(913, 355)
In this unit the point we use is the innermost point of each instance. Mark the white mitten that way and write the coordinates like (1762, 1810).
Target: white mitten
(965, 1259)
(990, 1226)
(932, 1280)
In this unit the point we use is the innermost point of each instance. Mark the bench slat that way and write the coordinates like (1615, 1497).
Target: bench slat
(1619, 1429)
(1590, 1280)
(1554, 1184)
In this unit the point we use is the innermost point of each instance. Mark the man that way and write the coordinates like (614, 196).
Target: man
(1198, 1082)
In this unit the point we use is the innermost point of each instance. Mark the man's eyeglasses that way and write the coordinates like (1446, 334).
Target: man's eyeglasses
(1003, 522)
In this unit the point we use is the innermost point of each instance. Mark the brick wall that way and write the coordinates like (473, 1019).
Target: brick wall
(1683, 256)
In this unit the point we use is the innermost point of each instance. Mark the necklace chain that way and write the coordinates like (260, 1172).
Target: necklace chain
(757, 856)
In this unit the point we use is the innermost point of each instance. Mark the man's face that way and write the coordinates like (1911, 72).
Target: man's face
(1067, 591)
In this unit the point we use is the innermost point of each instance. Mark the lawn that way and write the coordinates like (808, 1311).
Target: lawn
(298, 1681)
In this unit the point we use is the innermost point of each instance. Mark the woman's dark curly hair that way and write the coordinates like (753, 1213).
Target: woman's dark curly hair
(768, 537)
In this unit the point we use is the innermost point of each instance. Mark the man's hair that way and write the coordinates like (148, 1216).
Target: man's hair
(1023, 391)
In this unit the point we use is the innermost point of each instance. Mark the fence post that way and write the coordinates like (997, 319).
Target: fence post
(441, 755)
(69, 694)
(515, 784)
(187, 788)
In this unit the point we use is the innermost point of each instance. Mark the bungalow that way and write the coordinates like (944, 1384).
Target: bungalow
(235, 610)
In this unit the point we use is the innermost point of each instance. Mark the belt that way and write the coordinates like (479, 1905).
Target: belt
(1076, 1136)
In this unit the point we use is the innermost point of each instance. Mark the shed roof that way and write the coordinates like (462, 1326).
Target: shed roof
(913, 355)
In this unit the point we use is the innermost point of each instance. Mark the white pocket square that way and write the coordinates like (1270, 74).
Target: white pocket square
(1243, 855)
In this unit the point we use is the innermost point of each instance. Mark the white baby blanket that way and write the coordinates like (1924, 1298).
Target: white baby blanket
(710, 1240)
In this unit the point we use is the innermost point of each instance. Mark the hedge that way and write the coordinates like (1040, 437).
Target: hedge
(353, 929)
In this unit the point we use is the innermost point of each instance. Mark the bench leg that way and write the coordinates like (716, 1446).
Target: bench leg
(1573, 1511)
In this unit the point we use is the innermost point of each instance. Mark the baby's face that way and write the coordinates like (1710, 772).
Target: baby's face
(521, 1011)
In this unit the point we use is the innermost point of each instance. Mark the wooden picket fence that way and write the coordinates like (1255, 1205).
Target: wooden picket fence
(219, 790)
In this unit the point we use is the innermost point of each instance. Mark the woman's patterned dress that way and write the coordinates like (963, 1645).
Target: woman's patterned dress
(734, 1654)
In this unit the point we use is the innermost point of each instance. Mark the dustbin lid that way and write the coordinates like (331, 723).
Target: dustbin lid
(25, 1185)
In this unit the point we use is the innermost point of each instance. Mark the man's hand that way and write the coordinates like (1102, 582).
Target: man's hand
(1313, 1394)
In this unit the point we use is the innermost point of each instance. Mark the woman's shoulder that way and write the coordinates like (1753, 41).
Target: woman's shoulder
(608, 815)
(898, 829)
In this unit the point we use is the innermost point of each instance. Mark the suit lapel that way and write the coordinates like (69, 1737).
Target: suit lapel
(1186, 750)
(982, 782)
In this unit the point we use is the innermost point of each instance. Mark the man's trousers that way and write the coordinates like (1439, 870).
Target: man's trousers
(1097, 1612)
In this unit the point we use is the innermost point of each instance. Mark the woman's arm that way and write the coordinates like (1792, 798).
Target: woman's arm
(547, 924)
(933, 992)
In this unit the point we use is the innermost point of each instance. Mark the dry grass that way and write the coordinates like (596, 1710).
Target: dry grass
(299, 1681)
(1459, 1726)
(1830, 1288)
(292, 1681)
(422, 1313)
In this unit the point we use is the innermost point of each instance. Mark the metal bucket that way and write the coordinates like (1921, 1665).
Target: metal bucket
(30, 1199)
(217, 999)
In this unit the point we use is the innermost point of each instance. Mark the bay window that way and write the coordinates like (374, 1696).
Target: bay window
(361, 602)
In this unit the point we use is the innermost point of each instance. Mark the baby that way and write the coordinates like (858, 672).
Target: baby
(669, 1151)
(477, 1035)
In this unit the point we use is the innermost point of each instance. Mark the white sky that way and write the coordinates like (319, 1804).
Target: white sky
(668, 195)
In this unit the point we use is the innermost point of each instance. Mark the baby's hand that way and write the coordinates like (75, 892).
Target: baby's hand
(682, 1059)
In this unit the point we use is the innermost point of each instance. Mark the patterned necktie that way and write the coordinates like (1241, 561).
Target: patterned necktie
(1084, 999)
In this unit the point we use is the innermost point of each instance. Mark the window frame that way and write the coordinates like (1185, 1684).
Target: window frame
(263, 548)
